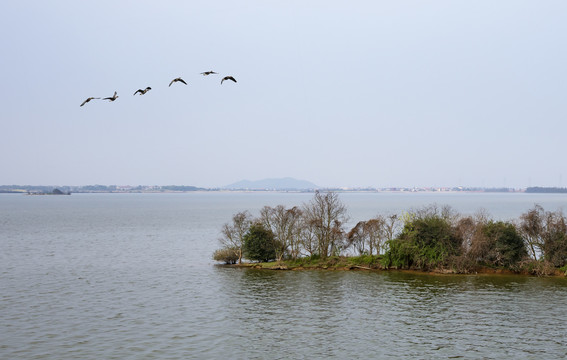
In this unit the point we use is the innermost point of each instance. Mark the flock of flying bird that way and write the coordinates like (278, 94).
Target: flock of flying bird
(144, 91)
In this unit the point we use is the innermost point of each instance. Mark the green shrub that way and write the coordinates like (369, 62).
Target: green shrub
(426, 241)
(259, 244)
(555, 247)
(507, 247)
(363, 260)
(400, 254)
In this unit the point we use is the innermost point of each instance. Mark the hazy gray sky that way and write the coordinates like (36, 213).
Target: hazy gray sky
(357, 93)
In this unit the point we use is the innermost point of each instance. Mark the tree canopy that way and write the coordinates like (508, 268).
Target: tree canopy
(259, 243)
(424, 239)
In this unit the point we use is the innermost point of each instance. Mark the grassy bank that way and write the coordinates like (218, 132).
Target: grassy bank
(373, 263)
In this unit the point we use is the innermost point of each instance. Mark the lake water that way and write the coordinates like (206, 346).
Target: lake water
(130, 276)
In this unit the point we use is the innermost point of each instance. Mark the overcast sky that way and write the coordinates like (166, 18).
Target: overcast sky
(340, 93)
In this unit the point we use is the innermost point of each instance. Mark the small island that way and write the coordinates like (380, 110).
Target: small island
(53, 192)
(432, 239)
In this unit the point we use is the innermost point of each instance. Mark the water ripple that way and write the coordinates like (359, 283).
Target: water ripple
(129, 278)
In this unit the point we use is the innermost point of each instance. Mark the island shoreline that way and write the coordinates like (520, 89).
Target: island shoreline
(479, 271)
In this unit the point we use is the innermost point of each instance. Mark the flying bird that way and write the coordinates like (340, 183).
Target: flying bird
(88, 99)
(176, 80)
(208, 73)
(228, 78)
(142, 92)
(112, 98)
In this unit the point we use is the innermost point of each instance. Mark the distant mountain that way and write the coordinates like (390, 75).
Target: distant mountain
(273, 184)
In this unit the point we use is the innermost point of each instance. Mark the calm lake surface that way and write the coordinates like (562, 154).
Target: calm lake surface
(130, 276)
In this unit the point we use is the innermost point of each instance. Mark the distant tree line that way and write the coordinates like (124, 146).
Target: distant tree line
(547, 190)
(98, 188)
(425, 239)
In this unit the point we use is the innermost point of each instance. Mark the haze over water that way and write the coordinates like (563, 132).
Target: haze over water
(129, 276)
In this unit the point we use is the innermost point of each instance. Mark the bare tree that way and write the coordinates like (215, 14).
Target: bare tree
(295, 237)
(531, 227)
(555, 238)
(283, 223)
(306, 236)
(369, 233)
(357, 237)
(465, 229)
(545, 234)
(377, 233)
(392, 224)
(338, 239)
(233, 234)
(476, 245)
(326, 214)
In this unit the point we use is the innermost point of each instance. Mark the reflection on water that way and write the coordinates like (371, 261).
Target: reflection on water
(393, 315)
(129, 277)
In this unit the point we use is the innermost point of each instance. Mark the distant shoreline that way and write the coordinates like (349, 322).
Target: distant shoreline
(362, 191)
(284, 192)
(155, 189)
